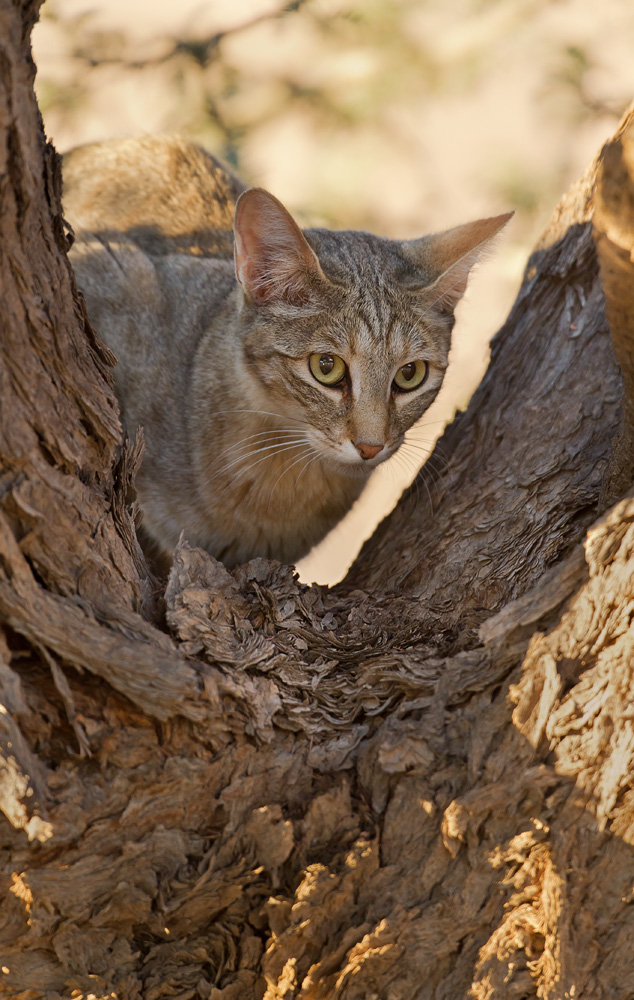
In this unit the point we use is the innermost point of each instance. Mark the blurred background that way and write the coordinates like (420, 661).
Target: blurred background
(397, 116)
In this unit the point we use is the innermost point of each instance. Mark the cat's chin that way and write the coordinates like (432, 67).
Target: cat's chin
(355, 470)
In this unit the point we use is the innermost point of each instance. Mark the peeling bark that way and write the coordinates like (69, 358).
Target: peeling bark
(416, 785)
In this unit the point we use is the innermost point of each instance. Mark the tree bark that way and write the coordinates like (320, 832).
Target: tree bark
(416, 785)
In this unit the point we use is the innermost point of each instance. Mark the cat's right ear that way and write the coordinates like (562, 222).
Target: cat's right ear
(274, 263)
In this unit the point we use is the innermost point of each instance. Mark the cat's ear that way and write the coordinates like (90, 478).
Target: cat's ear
(274, 263)
(445, 260)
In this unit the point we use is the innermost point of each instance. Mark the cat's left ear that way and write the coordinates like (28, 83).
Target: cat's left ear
(274, 262)
(443, 261)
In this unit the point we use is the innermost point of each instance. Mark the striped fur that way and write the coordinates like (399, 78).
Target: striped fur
(245, 450)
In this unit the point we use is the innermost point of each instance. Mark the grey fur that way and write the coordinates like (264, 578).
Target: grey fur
(245, 451)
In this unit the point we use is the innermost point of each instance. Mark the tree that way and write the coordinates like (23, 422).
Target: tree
(414, 785)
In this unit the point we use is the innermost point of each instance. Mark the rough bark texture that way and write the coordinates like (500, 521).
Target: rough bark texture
(417, 785)
(613, 227)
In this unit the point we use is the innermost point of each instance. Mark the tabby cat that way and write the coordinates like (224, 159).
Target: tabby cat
(271, 369)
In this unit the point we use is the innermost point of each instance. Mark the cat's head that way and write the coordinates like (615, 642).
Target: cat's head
(346, 334)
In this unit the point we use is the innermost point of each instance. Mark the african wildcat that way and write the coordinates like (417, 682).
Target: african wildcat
(269, 388)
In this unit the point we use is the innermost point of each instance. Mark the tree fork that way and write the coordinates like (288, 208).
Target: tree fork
(420, 788)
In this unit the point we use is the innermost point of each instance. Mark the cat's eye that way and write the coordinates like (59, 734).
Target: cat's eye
(411, 376)
(328, 369)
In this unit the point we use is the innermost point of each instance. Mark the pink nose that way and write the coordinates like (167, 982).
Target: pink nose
(368, 450)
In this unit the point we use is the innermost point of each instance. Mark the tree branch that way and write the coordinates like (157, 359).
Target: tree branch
(613, 228)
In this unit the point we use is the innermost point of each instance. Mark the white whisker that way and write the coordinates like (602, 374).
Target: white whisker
(275, 448)
(285, 438)
(427, 462)
(305, 454)
(407, 462)
(243, 472)
(417, 480)
(432, 464)
(409, 471)
(303, 470)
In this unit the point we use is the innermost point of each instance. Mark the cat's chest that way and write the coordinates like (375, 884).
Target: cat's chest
(280, 512)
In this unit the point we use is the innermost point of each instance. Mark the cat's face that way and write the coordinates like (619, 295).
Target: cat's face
(358, 374)
(346, 335)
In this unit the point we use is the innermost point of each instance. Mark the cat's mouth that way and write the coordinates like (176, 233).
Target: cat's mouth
(351, 460)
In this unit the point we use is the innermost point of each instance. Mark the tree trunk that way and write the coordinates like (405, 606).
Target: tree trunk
(416, 785)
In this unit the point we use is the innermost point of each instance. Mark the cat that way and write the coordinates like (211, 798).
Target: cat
(272, 369)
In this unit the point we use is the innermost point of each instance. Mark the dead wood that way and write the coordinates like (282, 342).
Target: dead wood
(414, 786)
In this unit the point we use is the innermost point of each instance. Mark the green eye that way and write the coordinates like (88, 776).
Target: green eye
(328, 369)
(411, 375)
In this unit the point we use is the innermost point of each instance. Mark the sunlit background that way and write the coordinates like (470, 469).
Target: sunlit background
(401, 117)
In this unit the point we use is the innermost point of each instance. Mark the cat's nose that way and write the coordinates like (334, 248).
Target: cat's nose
(368, 450)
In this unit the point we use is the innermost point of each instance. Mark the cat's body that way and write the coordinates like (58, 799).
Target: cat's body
(251, 447)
